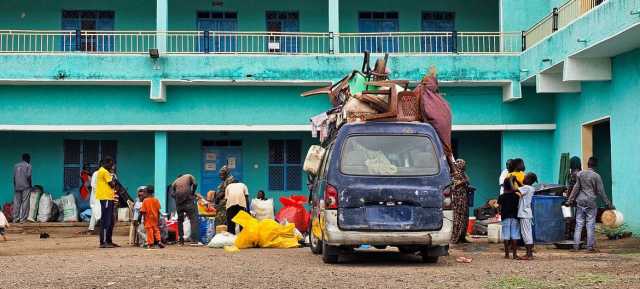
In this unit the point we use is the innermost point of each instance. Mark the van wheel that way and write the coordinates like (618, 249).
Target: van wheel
(329, 254)
(315, 244)
(428, 259)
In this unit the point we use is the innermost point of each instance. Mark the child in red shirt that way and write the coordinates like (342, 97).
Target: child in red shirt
(151, 211)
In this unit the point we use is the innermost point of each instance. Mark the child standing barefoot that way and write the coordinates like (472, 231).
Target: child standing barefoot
(151, 212)
(508, 203)
(525, 213)
(3, 225)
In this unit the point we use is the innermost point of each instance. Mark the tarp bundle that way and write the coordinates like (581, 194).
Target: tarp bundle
(264, 234)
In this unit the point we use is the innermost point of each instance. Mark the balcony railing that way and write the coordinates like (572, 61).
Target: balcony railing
(219, 42)
(559, 18)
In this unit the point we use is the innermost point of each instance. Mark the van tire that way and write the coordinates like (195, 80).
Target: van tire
(429, 259)
(317, 247)
(330, 254)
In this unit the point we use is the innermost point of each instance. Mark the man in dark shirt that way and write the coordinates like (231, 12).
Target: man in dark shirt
(184, 188)
(584, 194)
(508, 203)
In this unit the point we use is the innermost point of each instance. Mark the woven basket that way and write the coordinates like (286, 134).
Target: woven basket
(408, 107)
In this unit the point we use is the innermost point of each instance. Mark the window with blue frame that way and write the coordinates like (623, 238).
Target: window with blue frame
(438, 21)
(88, 20)
(285, 165)
(217, 21)
(283, 21)
(80, 152)
(377, 22)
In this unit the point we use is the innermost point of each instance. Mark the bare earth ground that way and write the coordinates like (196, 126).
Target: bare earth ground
(76, 262)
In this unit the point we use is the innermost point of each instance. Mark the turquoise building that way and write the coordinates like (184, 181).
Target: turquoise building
(80, 80)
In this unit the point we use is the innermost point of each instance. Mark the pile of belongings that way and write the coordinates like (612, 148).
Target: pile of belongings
(369, 95)
(485, 215)
(264, 234)
(43, 208)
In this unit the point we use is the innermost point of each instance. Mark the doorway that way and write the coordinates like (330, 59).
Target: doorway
(596, 142)
(215, 155)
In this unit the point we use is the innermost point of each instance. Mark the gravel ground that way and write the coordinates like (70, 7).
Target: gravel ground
(76, 262)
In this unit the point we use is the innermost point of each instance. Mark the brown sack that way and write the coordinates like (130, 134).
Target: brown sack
(435, 109)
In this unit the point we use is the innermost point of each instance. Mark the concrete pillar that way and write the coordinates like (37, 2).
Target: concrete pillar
(334, 23)
(160, 173)
(162, 24)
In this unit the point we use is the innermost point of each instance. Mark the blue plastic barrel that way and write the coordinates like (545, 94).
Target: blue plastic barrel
(548, 221)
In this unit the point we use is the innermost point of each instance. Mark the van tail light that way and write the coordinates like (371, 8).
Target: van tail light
(330, 197)
(446, 200)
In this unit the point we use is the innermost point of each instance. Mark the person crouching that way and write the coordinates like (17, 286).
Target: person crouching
(150, 210)
(508, 203)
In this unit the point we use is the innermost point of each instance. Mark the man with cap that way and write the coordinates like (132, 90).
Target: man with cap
(219, 199)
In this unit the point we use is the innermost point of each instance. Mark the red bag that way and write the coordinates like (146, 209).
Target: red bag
(293, 211)
(6, 210)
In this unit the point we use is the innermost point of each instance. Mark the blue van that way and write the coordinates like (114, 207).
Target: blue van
(382, 184)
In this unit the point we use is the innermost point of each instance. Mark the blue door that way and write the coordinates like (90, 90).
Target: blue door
(438, 22)
(218, 21)
(88, 20)
(214, 158)
(278, 21)
(377, 22)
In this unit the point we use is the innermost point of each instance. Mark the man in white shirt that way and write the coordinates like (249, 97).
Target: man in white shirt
(236, 195)
(93, 203)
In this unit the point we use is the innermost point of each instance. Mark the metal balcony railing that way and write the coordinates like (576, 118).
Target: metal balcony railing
(431, 42)
(222, 42)
(559, 18)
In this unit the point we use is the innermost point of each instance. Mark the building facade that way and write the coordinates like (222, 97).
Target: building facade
(80, 80)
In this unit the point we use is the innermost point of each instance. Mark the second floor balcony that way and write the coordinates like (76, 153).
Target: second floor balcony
(241, 42)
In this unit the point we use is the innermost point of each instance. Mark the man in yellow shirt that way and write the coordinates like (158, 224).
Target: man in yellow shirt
(106, 194)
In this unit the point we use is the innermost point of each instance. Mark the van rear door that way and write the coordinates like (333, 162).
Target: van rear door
(390, 183)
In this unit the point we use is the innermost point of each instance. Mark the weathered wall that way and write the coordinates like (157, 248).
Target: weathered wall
(618, 99)
(313, 15)
(134, 159)
(471, 15)
(610, 18)
(481, 151)
(47, 15)
(519, 15)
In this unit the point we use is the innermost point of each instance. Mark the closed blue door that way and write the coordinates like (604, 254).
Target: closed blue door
(278, 21)
(218, 21)
(378, 22)
(214, 158)
(438, 22)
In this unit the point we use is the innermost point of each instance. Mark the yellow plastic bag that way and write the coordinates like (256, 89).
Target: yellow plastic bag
(248, 237)
(231, 249)
(264, 234)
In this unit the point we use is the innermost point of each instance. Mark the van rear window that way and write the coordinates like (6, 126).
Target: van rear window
(389, 155)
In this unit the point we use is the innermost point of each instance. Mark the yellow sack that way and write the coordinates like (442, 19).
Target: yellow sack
(274, 235)
(264, 234)
(248, 237)
(231, 249)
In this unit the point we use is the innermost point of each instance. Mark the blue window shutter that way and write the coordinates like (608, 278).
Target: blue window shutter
(104, 43)
(68, 42)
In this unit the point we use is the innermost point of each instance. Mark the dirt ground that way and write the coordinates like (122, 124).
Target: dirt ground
(76, 262)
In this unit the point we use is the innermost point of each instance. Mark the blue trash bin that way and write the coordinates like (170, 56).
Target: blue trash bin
(548, 221)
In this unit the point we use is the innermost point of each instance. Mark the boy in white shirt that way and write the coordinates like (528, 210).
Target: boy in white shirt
(525, 214)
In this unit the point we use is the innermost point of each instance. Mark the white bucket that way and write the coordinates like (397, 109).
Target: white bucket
(494, 233)
(567, 212)
(612, 218)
